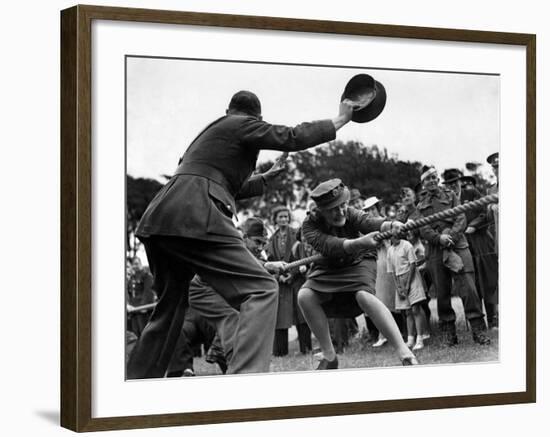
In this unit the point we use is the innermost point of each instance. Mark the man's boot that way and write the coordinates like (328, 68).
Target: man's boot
(449, 334)
(479, 329)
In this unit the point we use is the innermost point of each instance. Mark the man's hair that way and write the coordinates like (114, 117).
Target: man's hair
(246, 102)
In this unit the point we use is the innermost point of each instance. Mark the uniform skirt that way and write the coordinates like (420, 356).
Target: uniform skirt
(342, 283)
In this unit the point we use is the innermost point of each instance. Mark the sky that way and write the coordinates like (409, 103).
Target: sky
(438, 118)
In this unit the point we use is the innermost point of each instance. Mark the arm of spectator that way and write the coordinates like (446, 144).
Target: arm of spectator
(412, 268)
(253, 186)
(459, 225)
(430, 234)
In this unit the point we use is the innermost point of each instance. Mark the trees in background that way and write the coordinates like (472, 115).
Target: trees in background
(139, 192)
(367, 168)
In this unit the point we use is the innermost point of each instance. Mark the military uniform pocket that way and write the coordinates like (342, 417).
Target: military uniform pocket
(220, 198)
(219, 220)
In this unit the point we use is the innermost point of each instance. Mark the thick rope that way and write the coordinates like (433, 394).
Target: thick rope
(413, 224)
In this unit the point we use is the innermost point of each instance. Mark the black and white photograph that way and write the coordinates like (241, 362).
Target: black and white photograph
(286, 217)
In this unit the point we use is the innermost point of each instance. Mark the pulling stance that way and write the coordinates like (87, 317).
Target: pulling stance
(343, 284)
(187, 230)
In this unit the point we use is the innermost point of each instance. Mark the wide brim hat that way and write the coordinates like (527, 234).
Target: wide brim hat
(254, 227)
(357, 89)
(451, 175)
(470, 179)
(493, 159)
(330, 193)
(370, 202)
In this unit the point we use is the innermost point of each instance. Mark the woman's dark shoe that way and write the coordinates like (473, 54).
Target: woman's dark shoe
(325, 364)
(409, 361)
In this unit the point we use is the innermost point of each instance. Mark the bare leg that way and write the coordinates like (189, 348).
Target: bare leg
(411, 328)
(310, 304)
(419, 319)
(384, 321)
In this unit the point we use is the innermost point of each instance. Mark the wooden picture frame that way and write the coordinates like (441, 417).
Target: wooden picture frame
(76, 217)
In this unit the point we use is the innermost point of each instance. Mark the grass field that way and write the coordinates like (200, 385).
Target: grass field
(361, 354)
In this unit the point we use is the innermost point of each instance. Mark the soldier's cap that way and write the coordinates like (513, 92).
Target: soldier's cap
(247, 102)
(427, 172)
(469, 179)
(357, 89)
(370, 202)
(493, 159)
(451, 175)
(254, 227)
(355, 194)
(277, 209)
(330, 193)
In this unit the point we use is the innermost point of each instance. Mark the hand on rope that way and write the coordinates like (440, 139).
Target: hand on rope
(413, 224)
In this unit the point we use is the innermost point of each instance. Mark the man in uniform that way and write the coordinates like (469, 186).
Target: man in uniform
(449, 258)
(209, 308)
(188, 228)
(479, 241)
(493, 208)
(492, 216)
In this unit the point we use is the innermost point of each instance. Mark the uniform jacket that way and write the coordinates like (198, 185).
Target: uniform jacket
(329, 241)
(199, 200)
(492, 215)
(440, 201)
(476, 218)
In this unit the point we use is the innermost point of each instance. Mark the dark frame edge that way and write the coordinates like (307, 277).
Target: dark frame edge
(75, 93)
(165, 16)
(303, 411)
(531, 219)
(68, 346)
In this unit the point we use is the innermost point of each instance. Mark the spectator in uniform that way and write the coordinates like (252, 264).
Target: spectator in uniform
(195, 332)
(139, 285)
(492, 209)
(484, 254)
(210, 306)
(449, 259)
(300, 250)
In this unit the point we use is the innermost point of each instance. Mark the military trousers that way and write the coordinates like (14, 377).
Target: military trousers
(234, 273)
(213, 308)
(443, 278)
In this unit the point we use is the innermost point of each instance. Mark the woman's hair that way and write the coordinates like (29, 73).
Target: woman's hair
(278, 209)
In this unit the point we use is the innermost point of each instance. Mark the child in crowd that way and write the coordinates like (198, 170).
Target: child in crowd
(420, 253)
(409, 294)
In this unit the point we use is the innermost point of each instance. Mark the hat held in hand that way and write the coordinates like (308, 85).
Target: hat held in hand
(360, 90)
